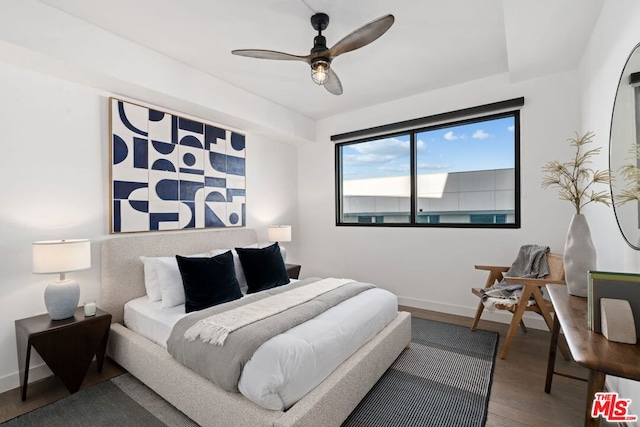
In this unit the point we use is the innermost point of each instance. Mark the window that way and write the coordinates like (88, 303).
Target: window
(376, 180)
(458, 174)
(488, 218)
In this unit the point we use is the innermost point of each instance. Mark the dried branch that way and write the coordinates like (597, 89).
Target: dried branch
(574, 178)
(630, 173)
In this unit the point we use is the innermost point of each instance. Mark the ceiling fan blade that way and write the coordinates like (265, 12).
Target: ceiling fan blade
(362, 36)
(269, 54)
(333, 84)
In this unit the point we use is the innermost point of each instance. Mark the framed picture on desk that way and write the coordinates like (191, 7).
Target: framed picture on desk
(604, 284)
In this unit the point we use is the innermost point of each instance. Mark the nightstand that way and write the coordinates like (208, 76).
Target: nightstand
(293, 270)
(67, 346)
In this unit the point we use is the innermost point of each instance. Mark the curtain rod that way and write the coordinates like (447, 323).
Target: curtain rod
(422, 121)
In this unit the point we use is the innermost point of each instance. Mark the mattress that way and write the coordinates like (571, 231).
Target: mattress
(278, 374)
(150, 320)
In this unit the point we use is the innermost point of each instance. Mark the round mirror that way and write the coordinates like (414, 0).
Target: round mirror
(624, 153)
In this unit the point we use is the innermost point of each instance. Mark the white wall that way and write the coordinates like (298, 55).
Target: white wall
(54, 174)
(35, 35)
(426, 267)
(613, 39)
(53, 130)
(54, 135)
(430, 267)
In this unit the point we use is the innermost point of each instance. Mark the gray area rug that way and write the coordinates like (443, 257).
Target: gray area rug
(443, 379)
(123, 401)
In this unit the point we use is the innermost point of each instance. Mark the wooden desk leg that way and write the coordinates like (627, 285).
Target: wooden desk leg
(553, 346)
(596, 384)
(102, 348)
(23, 345)
(25, 380)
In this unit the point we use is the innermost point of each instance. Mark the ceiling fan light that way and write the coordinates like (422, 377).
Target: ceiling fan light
(320, 72)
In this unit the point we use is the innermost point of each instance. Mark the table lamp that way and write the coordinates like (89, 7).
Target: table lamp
(279, 233)
(61, 256)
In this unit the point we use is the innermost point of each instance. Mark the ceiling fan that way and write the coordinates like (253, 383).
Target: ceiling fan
(320, 56)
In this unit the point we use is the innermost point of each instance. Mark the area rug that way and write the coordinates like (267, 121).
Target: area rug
(443, 379)
(123, 401)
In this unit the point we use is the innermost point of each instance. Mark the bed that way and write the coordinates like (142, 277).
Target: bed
(328, 404)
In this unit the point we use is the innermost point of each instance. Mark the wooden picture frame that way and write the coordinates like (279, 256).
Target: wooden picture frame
(172, 172)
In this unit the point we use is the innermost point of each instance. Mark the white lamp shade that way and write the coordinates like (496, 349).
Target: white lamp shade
(279, 233)
(61, 256)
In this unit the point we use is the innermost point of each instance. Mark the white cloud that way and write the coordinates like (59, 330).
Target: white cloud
(449, 136)
(511, 128)
(403, 169)
(480, 134)
(368, 158)
(381, 145)
(433, 166)
(379, 151)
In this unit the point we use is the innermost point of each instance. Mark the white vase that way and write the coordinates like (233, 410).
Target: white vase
(579, 256)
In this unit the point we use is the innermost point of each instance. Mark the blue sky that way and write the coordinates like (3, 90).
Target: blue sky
(475, 146)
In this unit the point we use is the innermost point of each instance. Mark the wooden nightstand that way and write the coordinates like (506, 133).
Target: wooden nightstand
(293, 270)
(67, 346)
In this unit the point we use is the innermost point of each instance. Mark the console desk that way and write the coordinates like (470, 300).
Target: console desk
(589, 349)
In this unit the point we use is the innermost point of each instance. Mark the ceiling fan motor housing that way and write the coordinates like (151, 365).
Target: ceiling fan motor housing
(320, 21)
(319, 44)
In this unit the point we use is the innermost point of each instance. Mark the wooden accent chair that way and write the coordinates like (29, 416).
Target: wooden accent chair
(531, 287)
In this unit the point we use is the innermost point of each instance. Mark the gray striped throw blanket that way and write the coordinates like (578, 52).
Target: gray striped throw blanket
(531, 262)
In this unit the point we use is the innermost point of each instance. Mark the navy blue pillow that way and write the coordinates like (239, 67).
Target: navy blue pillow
(208, 281)
(264, 267)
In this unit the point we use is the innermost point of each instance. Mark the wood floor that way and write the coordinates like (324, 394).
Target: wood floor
(517, 393)
(50, 389)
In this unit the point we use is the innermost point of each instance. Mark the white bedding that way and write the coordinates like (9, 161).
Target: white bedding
(278, 374)
(150, 320)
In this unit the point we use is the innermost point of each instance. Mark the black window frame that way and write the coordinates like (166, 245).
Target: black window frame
(455, 118)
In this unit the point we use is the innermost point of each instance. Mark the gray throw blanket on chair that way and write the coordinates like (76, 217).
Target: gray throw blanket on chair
(531, 262)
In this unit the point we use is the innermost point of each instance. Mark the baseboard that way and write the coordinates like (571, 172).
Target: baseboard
(531, 320)
(36, 373)
(609, 388)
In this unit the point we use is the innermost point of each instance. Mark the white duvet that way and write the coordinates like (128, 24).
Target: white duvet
(288, 366)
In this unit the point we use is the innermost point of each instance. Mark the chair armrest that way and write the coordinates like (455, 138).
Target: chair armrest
(499, 269)
(534, 282)
(495, 273)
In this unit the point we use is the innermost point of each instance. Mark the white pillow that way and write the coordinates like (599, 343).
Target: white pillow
(151, 283)
(164, 275)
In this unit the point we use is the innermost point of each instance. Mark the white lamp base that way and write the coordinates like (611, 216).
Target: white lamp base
(61, 299)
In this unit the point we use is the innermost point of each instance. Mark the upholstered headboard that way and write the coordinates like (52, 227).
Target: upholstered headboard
(123, 272)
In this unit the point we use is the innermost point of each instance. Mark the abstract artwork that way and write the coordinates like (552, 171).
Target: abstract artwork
(170, 172)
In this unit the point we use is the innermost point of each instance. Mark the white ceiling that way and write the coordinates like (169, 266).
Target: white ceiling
(433, 43)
